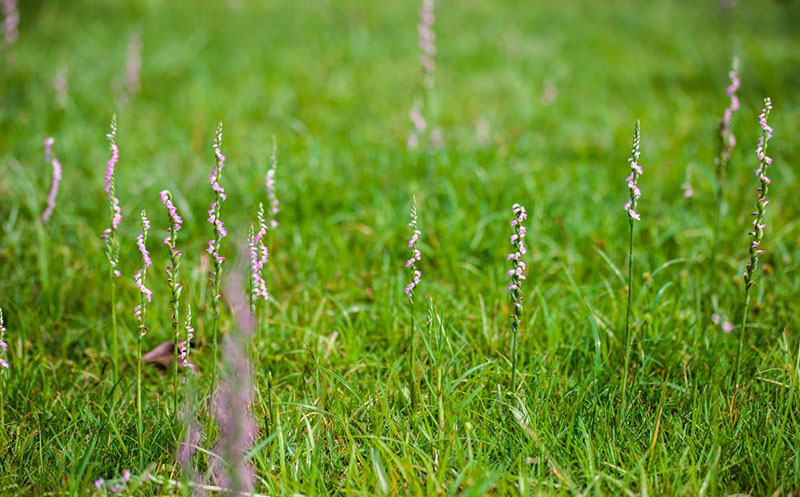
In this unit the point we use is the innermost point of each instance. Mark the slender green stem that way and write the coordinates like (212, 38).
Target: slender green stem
(114, 337)
(214, 356)
(514, 353)
(43, 271)
(412, 354)
(627, 325)
(175, 374)
(219, 196)
(2, 407)
(214, 340)
(173, 280)
(717, 220)
(176, 320)
(630, 290)
(253, 312)
(139, 422)
(255, 342)
(270, 405)
(740, 348)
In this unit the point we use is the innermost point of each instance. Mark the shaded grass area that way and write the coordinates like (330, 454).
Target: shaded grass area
(334, 81)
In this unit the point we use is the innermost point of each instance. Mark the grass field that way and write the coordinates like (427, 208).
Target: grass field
(536, 102)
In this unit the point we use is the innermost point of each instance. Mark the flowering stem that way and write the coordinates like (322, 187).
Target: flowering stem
(214, 246)
(633, 201)
(173, 280)
(757, 233)
(109, 237)
(725, 144)
(416, 275)
(517, 275)
(3, 368)
(140, 312)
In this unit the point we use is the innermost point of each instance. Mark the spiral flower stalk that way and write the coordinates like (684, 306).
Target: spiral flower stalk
(140, 278)
(173, 281)
(517, 275)
(51, 197)
(259, 256)
(214, 218)
(412, 264)
(633, 178)
(140, 312)
(427, 60)
(3, 369)
(269, 183)
(726, 141)
(633, 189)
(3, 345)
(757, 233)
(11, 22)
(109, 237)
(185, 345)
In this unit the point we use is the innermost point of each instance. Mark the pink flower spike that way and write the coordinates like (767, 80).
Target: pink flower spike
(11, 23)
(140, 277)
(110, 243)
(517, 271)
(757, 233)
(426, 39)
(633, 178)
(3, 344)
(727, 140)
(416, 254)
(56, 181)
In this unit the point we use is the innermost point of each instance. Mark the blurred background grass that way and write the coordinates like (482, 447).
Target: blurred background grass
(537, 102)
